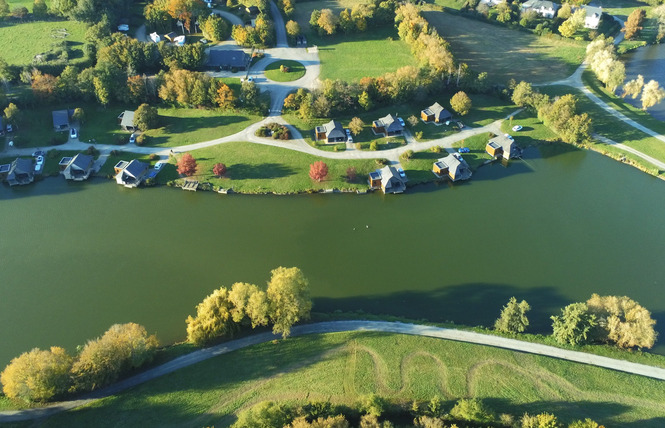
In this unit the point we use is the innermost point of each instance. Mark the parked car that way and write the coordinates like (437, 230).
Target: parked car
(132, 139)
(9, 128)
(204, 41)
(123, 27)
(464, 150)
(401, 121)
(40, 160)
(38, 153)
(508, 136)
(159, 166)
(73, 134)
(460, 125)
(349, 137)
(517, 128)
(401, 172)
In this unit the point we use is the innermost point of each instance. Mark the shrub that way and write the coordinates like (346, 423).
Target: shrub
(37, 375)
(436, 149)
(419, 135)
(374, 146)
(407, 155)
(266, 414)
(472, 410)
(91, 150)
(141, 139)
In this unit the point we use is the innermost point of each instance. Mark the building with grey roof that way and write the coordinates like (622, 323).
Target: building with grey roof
(21, 172)
(131, 174)
(126, 120)
(454, 166)
(79, 167)
(332, 132)
(388, 125)
(435, 113)
(227, 59)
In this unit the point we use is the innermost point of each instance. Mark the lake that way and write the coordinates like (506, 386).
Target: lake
(649, 61)
(79, 257)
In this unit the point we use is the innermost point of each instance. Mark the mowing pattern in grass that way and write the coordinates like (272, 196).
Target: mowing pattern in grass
(296, 71)
(21, 42)
(344, 366)
(507, 54)
(255, 168)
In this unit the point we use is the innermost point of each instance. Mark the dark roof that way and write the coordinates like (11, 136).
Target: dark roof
(6, 167)
(391, 180)
(457, 165)
(82, 161)
(60, 118)
(227, 58)
(127, 119)
(390, 123)
(22, 166)
(136, 168)
(334, 129)
(438, 111)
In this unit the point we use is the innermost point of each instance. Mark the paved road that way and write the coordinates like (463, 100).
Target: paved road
(656, 162)
(280, 29)
(335, 327)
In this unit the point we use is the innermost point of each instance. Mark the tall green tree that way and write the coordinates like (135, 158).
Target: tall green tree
(652, 94)
(290, 302)
(574, 325)
(13, 114)
(39, 9)
(513, 317)
(146, 117)
(461, 103)
(213, 319)
(4, 8)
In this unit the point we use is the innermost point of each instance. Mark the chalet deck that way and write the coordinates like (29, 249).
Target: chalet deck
(192, 185)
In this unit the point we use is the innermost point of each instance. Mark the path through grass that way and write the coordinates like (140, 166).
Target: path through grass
(21, 42)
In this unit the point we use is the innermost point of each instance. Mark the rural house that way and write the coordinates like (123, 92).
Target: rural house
(130, 174)
(331, 132)
(61, 119)
(78, 168)
(454, 166)
(126, 120)
(502, 146)
(387, 125)
(388, 179)
(228, 59)
(593, 15)
(544, 8)
(21, 172)
(435, 113)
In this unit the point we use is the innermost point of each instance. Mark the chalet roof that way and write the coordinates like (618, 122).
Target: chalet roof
(540, 4)
(136, 168)
(503, 141)
(22, 166)
(60, 118)
(390, 178)
(390, 123)
(82, 161)
(227, 58)
(334, 129)
(438, 111)
(593, 10)
(127, 119)
(457, 165)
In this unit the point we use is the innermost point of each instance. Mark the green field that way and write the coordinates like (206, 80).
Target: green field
(25, 3)
(343, 367)
(21, 42)
(296, 71)
(351, 57)
(507, 54)
(255, 168)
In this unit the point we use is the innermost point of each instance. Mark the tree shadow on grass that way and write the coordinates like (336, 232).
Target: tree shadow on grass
(243, 171)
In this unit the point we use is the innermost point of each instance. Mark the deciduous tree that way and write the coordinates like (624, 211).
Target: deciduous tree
(288, 296)
(623, 321)
(146, 117)
(39, 9)
(327, 22)
(225, 97)
(356, 125)
(4, 8)
(318, 171)
(472, 410)
(574, 325)
(632, 26)
(461, 103)
(13, 114)
(513, 317)
(633, 87)
(292, 28)
(213, 319)
(652, 94)
(187, 165)
(37, 375)
(219, 169)
(215, 28)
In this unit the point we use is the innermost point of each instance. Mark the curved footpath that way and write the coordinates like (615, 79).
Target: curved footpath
(337, 327)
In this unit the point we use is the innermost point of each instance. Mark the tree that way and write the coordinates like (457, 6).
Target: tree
(225, 97)
(79, 115)
(372, 405)
(461, 103)
(513, 317)
(356, 125)
(292, 28)
(4, 8)
(365, 101)
(122, 348)
(39, 9)
(472, 410)
(587, 423)
(623, 321)
(288, 297)
(146, 117)
(186, 10)
(327, 22)
(652, 94)
(187, 165)
(351, 174)
(523, 94)
(20, 12)
(37, 375)
(565, 11)
(13, 114)
(215, 28)
(265, 414)
(574, 325)
(633, 87)
(314, 19)
(632, 25)
(249, 95)
(318, 171)
(542, 420)
(219, 169)
(573, 24)
(213, 319)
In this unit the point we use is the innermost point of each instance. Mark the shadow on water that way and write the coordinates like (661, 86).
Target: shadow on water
(46, 186)
(469, 304)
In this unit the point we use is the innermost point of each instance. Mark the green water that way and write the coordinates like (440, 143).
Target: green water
(76, 258)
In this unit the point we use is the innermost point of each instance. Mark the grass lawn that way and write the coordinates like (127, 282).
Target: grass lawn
(351, 57)
(21, 42)
(13, 4)
(36, 128)
(343, 367)
(181, 126)
(296, 71)
(255, 168)
(507, 54)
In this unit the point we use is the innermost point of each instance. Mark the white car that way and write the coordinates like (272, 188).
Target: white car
(517, 128)
(132, 139)
(401, 121)
(73, 134)
(508, 136)
(9, 128)
(40, 160)
(159, 166)
(204, 41)
(349, 137)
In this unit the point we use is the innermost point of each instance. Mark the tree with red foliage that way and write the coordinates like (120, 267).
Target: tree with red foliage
(187, 165)
(219, 169)
(351, 174)
(318, 171)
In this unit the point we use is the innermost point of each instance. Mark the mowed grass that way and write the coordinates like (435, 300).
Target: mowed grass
(256, 168)
(21, 42)
(182, 126)
(296, 71)
(354, 56)
(507, 54)
(342, 367)
(13, 4)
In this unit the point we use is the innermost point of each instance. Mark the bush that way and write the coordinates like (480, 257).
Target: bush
(472, 410)
(407, 155)
(91, 150)
(153, 156)
(37, 375)
(374, 146)
(436, 149)
(141, 139)
(419, 135)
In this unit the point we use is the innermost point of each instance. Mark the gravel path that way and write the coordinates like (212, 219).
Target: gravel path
(336, 327)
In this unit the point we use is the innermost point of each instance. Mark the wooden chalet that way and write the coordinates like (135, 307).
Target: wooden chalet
(503, 146)
(131, 174)
(331, 132)
(453, 166)
(388, 125)
(78, 168)
(435, 113)
(21, 172)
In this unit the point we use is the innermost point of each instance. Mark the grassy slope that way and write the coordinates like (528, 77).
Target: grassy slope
(357, 55)
(21, 42)
(506, 53)
(344, 366)
(255, 168)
